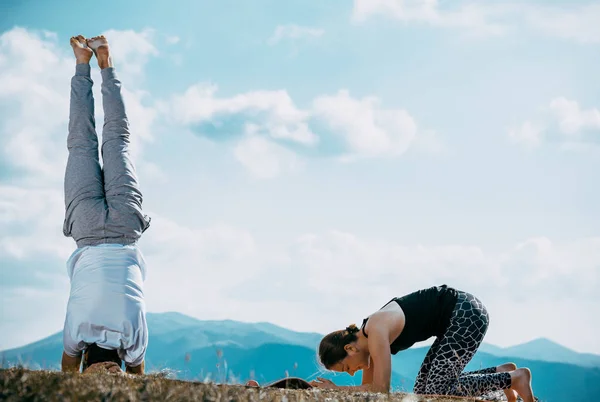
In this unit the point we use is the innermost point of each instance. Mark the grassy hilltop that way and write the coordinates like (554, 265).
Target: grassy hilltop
(26, 385)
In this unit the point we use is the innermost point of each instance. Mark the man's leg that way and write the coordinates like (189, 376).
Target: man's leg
(84, 189)
(126, 221)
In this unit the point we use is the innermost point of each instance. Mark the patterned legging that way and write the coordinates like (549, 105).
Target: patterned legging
(442, 370)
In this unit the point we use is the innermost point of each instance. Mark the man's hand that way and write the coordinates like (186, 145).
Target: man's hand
(323, 383)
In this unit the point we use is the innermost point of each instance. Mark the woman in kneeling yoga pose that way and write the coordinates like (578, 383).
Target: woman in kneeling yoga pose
(459, 321)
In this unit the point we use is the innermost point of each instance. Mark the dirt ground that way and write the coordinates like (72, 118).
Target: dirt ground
(26, 385)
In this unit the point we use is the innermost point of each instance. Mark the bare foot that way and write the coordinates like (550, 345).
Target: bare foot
(511, 395)
(521, 383)
(506, 367)
(99, 44)
(83, 53)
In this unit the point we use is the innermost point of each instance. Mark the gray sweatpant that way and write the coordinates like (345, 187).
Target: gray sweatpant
(103, 204)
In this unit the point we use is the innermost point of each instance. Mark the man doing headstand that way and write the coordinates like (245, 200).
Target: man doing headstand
(106, 313)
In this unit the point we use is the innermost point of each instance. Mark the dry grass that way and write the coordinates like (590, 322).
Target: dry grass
(26, 385)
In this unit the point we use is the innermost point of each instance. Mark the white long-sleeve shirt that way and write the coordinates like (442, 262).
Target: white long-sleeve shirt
(106, 304)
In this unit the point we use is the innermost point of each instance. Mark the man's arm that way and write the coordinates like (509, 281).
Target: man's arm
(135, 369)
(70, 364)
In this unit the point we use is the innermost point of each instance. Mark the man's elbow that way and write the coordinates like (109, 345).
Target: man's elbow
(136, 369)
(70, 364)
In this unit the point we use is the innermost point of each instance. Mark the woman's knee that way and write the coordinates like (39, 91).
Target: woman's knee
(419, 388)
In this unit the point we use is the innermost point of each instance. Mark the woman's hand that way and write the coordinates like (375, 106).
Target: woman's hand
(323, 383)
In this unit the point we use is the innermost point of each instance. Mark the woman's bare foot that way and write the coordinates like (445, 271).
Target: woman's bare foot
(511, 395)
(521, 383)
(506, 367)
(99, 44)
(83, 53)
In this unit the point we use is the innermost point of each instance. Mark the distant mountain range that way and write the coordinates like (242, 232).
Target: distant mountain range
(234, 352)
(545, 350)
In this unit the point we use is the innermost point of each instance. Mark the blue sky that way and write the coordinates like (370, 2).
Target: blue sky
(344, 151)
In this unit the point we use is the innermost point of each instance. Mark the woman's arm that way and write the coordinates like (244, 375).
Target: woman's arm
(377, 377)
(367, 375)
(381, 357)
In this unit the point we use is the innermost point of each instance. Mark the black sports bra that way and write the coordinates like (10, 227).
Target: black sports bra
(427, 313)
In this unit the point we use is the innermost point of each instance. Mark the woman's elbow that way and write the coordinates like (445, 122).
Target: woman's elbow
(380, 388)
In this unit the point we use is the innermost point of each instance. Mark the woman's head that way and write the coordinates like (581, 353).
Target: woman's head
(344, 351)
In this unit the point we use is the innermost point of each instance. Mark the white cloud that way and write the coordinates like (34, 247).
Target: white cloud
(271, 112)
(33, 102)
(321, 269)
(338, 264)
(31, 223)
(574, 22)
(565, 121)
(362, 127)
(474, 16)
(265, 159)
(131, 51)
(293, 31)
(568, 264)
(189, 269)
(528, 134)
(571, 118)
(172, 39)
(367, 129)
(428, 142)
(169, 239)
(23, 322)
(578, 23)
